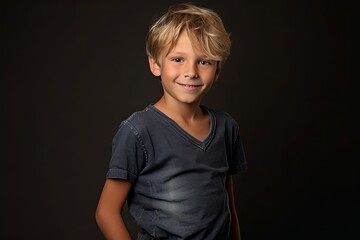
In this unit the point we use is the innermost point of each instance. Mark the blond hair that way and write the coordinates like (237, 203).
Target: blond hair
(204, 27)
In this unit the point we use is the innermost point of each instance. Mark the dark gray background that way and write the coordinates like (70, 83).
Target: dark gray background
(71, 71)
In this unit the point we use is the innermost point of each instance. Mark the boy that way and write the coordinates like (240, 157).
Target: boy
(173, 161)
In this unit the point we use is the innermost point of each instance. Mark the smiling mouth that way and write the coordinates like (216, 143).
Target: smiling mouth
(190, 85)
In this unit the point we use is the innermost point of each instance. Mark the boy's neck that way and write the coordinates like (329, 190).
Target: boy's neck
(190, 117)
(180, 111)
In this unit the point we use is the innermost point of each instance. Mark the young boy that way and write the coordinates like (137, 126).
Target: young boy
(173, 161)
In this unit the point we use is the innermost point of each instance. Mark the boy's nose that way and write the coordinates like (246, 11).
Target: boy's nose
(191, 71)
(192, 75)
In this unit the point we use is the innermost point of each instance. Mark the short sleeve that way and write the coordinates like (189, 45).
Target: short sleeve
(237, 162)
(128, 154)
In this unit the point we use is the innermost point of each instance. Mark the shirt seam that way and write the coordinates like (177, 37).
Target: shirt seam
(137, 134)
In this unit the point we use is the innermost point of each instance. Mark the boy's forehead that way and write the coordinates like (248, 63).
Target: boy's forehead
(183, 45)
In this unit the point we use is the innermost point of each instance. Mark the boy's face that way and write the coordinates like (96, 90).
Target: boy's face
(186, 74)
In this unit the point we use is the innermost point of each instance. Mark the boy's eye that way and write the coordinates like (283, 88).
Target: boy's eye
(204, 62)
(177, 59)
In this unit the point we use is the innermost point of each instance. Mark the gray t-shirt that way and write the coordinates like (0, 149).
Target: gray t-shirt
(178, 181)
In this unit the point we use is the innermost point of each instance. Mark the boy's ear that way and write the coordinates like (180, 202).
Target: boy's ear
(154, 67)
(217, 73)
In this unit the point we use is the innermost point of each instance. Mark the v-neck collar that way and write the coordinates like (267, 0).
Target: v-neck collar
(190, 138)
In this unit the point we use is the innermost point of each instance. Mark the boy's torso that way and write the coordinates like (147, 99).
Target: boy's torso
(181, 191)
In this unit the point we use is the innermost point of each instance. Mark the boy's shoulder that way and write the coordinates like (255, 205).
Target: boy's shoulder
(139, 117)
(221, 115)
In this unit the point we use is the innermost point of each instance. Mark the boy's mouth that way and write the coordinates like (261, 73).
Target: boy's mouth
(190, 85)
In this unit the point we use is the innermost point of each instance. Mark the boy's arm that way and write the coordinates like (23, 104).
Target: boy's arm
(108, 211)
(235, 227)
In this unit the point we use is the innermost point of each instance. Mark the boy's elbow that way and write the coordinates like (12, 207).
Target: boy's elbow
(97, 215)
(100, 215)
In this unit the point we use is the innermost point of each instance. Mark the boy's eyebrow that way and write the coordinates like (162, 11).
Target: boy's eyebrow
(177, 52)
